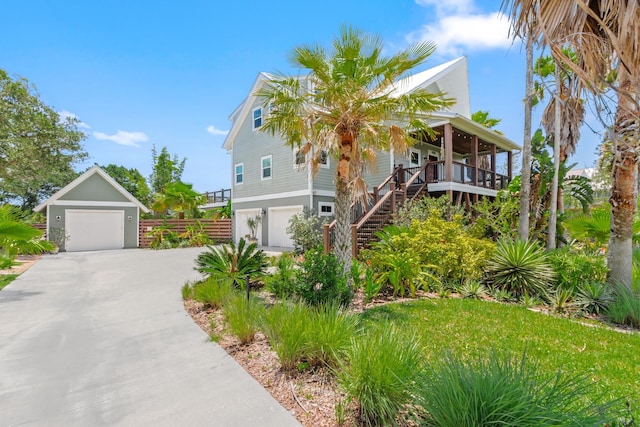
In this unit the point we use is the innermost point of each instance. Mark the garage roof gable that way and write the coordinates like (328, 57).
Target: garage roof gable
(95, 170)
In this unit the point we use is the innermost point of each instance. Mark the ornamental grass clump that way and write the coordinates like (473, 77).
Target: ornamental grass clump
(625, 307)
(243, 315)
(380, 374)
(211, 292)
(521, 267)
(500, 390)
(285, 325)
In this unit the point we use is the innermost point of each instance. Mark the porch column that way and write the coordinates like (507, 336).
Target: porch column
(448, 152)
(510, 165)
(493, 166)
(474, 159)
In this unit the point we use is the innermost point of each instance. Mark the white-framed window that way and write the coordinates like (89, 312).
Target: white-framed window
(238, 171)
(414, 157)
(326, 208)
(265, 163)
(323, 159)
(257, 118)
(299, 159)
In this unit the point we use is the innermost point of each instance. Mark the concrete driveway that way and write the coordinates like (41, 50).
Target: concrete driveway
(102, 338)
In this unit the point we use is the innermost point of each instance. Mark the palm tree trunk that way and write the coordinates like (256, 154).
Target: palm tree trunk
(342, 244)
(623, 191)
(525, 175)
(553, 209)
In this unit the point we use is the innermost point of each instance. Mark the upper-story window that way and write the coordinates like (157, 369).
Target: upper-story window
(239, 173)
(257, 118)
(266, 167)
(299, 158)
(323, 160)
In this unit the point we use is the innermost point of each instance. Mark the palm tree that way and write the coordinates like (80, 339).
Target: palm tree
(17, 237)
(604, 35)
(180, 197)
(349, 106)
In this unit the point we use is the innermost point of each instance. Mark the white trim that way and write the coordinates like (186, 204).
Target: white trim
(326, 204)
(235, 173)
(456, 186)
(92, 203)
(270, 196)
(262, 168)
(82, 178)
(327, 193)
(253, 118)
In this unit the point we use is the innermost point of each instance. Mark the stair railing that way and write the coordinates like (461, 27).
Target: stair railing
(390, 198)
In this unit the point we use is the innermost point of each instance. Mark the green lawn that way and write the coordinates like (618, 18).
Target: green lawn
(5, 279)
(610, 359)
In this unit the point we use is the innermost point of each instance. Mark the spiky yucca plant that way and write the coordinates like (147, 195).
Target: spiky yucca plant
(233, 262)
(521, 267)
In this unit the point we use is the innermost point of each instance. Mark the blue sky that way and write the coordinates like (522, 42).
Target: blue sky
(144, 72)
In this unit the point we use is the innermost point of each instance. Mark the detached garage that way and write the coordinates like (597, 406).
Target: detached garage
(93, 213)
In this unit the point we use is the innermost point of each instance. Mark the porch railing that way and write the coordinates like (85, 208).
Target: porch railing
(219, 196)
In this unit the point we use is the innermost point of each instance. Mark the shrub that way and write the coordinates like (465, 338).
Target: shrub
(243, 315)
(231, 262)
(625, 307)
(425, 208)
(505, 391)
(321, 280)
(593, 297)
(573, 268)
(283, 281)
(443, 249)
(521, 267)
(380, 373)
(212, 292)
(305, 230)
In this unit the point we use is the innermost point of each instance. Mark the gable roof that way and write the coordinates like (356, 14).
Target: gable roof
(459, 90)
(82, 178)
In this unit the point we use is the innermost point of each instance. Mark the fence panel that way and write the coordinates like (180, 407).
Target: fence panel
(218, 230)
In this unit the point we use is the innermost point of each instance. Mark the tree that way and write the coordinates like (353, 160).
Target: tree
(349, 106)
(132, 181)
(604, 36)
(179, 197)
(37, 149)
(165, 169)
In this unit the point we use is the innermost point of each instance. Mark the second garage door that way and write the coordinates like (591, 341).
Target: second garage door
(93, 230)
(278, 222)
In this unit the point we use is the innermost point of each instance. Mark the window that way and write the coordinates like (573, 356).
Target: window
(266, 167)
(325, 209)
(323, 159)
(414, 158)
(299, 159)
(239, 173)
(257, 118)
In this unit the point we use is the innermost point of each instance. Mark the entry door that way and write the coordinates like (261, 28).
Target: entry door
(94, 230)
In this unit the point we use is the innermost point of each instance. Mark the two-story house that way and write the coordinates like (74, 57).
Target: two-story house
(269, 179)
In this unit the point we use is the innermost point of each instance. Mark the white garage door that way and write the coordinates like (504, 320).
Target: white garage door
(278, 222)
(88, 230)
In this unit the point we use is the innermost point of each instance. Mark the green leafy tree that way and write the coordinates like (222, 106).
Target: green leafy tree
(132, 181)
(345, 107)
(37, 148)
(166, 169)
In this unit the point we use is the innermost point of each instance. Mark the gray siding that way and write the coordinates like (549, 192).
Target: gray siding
(248, 148)
(56, 227)
(95, 189)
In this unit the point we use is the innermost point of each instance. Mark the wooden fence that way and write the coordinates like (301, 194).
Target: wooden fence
(218, 230)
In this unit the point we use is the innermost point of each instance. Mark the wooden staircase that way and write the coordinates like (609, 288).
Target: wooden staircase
(403, 184)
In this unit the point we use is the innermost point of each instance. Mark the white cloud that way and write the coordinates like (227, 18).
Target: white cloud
(459, 29)
(215, 131)
(123, 137)
(64, 115)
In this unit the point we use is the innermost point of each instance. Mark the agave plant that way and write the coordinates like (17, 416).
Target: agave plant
(594, 297)
(233, 262)
(521, 267)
